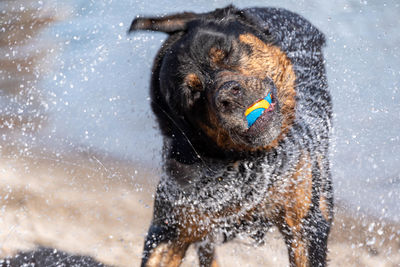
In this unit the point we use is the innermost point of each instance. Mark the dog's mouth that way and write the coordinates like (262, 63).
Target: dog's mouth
(248, 112)
(260, 114)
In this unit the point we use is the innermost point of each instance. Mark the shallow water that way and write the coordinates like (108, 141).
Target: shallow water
(90, 87)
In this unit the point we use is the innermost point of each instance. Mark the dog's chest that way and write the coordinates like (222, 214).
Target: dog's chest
(240, 197)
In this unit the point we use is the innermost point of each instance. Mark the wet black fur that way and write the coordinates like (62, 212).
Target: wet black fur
(190, 153)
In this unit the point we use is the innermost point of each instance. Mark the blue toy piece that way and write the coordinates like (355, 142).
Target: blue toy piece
(257, 109)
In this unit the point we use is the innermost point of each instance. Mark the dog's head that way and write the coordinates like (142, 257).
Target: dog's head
(213, 68)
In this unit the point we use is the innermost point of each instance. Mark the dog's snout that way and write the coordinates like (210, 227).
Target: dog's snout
(227, 94)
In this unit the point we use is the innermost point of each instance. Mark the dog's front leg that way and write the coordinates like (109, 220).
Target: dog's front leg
(302, 222)
(307, 240)
(162, 248)
(206, 253)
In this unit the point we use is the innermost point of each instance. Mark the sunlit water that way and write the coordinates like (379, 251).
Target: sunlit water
(96, 90)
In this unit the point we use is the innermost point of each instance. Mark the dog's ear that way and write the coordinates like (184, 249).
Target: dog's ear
(168, 24)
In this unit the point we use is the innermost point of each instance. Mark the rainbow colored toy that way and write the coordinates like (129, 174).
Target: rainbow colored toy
(257, 109)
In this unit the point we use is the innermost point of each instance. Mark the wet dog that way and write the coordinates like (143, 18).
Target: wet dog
(224, 176)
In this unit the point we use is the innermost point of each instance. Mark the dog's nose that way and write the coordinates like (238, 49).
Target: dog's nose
(227, 95)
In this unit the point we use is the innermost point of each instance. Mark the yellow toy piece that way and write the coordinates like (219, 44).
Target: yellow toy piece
(260, 104)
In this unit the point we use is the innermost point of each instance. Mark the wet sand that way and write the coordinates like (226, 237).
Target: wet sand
(91, 204)
(100, 206)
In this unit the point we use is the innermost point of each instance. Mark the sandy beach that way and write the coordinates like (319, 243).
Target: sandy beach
(87, 203)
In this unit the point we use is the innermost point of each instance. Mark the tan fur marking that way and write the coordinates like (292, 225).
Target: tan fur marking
(300, 253)
(324, 208)
(297, 202)
(157, 255)
(191, 229)
(216, 56)
(170, 255)
(193, 81)
(269, 61)
(298, 194)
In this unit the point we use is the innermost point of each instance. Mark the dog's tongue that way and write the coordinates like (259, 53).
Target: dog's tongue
(257, 109)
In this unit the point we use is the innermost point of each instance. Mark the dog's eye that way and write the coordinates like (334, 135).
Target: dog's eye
(193, 82)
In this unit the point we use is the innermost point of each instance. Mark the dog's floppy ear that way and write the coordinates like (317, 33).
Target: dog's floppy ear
(167, 24)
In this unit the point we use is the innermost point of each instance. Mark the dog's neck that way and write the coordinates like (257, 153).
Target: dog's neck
(188, 150)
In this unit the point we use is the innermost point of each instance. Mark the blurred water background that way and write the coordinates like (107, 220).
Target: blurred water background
(77, 81)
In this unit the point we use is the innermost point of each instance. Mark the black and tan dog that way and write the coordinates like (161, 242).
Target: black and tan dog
(223, 177)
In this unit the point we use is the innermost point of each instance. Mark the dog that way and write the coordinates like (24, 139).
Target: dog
(222, 176)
